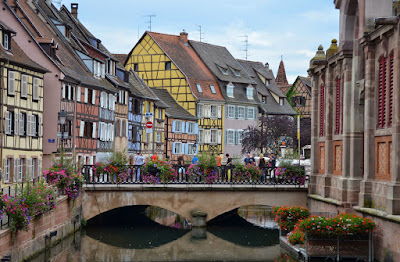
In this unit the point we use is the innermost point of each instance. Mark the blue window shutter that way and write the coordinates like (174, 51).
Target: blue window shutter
(236, 137)
(245, 113)
(236, 111)
(187, 127)
(183, 127)
(226, 136)
(196, 128)
(173, 126)
(226, 111)
(255, 113)
(173, 148)
(183, 148)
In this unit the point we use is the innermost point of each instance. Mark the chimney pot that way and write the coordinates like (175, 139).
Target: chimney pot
(267, 65)
(184, 37)
(74, 10)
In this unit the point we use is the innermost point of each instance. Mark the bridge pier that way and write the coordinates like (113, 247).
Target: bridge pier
(199, 218)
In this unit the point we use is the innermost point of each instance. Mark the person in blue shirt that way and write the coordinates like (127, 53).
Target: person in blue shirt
(195, 160)
(248, 160)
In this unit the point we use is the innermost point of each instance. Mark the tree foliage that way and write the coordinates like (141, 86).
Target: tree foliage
(268, 139)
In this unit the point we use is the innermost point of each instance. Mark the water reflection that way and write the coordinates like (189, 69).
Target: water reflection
(167, 218)
(261, 216)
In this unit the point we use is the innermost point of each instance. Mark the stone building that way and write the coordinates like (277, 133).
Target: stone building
(356, 121)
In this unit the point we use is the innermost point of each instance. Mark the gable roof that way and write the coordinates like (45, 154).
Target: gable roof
(216, 57)
(186, 59)
(121, 57)
(271, 107)
(174, 110)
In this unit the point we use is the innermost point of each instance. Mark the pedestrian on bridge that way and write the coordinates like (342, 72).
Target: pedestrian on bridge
(181, 162)
(262, 166)
(229, 166)
(139, 162)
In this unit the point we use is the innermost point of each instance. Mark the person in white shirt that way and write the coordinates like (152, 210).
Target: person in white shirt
(139, 161)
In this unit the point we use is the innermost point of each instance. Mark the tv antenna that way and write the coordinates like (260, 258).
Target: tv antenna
(246, 44)
(201, 35)
(149, 22)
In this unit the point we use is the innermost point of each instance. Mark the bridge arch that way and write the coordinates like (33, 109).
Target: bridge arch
(214, 201)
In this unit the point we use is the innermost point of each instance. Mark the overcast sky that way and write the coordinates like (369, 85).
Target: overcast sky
(292, 29)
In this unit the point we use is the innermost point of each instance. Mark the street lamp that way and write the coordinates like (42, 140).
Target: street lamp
(62, 119)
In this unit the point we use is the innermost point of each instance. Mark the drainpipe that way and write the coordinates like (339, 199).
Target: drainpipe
(166, 132)
(1, 117)
(154, 126)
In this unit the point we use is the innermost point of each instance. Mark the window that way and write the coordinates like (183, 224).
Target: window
(321, 110)
(337, 108)
(190, 127)
(267, 82)
(264, 99)
(35, 90)
(213, 139)
(249, 92)
(7, 169)
(178, 126)
(6, 41)
(11, 83)
(239, 136)
(200, 111)
(200, 136)
(199, 88)
(168, 65)
(22, 124)
(213, 89)
(158, 137)
(223, 70)
(250, 113)
(9, 122)
(111, 67)
(236, 72)
(191, 149)
(229, 90)
(231, 111)
(230, 137)
(382, 93)
(391, 72)
(214, 112)
(135, 67)
(88, 130)
(241, 112)
(20, 164)
(281, 101)
(177, 148)
(24, 86)
(160, 113)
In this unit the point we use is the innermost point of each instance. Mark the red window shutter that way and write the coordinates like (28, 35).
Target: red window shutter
(322, 111)
(390, 120)
(382, 93)
(338, 109)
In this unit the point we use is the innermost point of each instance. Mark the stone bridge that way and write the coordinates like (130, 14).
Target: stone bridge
(214, 200)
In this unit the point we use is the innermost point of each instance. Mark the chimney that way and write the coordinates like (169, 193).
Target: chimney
(74, 10)
(267, 66)
(184, 37)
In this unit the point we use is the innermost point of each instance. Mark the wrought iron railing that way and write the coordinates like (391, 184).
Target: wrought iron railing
(106, 114)
(224, 176)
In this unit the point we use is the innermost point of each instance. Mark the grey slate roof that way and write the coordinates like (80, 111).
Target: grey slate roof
(174, 110)
(306, 81)
(214, 56)
(271, 107)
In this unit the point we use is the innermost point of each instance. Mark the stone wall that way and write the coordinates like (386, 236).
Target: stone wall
(64, 219)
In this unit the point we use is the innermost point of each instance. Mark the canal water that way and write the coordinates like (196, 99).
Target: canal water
(143, 233)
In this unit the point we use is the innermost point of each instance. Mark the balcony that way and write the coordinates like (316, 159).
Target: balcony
(104, 145)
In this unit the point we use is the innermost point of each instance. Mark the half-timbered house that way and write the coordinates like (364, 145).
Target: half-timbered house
(239, 92)
(301, 100)
(356, 118)
(21, 111)
(181, 129)
(169, 62)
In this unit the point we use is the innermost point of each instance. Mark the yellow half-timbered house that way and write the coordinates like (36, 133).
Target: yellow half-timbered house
(169, 62)
(21, 111)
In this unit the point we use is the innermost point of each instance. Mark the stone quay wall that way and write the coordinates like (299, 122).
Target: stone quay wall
(65, 219)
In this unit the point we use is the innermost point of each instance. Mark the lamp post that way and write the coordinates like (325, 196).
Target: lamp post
(62, 119)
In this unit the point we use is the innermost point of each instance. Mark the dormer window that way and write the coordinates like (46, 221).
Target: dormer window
(98, 69)
(249, 92)
(264, 99)
(281, 101)
(213, 89)
(223, 70)
(236, 72)
(229, 90)
(199, 88)
(267, 82)
(6, 41)
(94, 42)
(111, 67)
